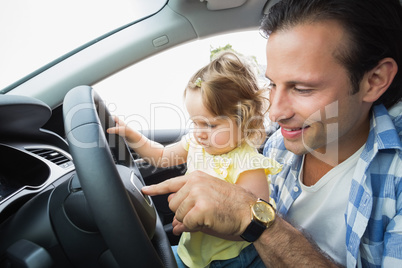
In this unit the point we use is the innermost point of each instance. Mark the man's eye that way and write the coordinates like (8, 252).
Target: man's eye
(303, 91)
(211, 126)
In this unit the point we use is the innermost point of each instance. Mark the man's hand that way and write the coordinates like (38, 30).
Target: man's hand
(204, 203)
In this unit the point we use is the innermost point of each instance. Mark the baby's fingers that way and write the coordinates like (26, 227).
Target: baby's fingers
(118, 121)
(119, 130)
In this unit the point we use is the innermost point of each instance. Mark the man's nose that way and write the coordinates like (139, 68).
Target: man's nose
(280, 105)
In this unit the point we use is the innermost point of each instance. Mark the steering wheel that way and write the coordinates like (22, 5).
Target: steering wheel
(111, 183)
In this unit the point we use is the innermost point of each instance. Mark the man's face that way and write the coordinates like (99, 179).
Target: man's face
(311, 92)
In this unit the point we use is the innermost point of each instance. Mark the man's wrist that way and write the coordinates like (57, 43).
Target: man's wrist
(262, 215)
(245, 218)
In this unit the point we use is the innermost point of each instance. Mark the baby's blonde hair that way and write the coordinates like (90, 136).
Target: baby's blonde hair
(229, 88)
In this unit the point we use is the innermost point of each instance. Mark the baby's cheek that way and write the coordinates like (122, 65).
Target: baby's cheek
(222, 139)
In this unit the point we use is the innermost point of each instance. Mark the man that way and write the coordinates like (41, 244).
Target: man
(333, 67)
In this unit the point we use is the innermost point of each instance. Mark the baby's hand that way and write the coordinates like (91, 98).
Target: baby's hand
(131, 136)
(119, 129)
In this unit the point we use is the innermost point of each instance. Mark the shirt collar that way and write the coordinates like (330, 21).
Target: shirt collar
(384, 132)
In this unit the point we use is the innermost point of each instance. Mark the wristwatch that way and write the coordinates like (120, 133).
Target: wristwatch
(262, 216)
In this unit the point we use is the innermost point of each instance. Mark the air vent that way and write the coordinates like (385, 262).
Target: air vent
(52, 155)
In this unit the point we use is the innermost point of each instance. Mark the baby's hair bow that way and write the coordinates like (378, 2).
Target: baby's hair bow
(198, 82)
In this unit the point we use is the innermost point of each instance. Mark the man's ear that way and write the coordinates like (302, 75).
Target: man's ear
(379, 79)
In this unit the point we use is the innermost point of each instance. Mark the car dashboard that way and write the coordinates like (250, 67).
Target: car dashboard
(28, 168)
(31, 158)
(34, 161)
(42, 205)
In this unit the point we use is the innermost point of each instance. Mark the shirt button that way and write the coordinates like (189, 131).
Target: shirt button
(295, 189)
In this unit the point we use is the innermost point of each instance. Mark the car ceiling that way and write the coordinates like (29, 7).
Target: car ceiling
(132, 43)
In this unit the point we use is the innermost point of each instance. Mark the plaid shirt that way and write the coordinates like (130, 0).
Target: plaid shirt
(373, 216)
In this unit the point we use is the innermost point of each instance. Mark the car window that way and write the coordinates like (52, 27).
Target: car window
(149, 95)
(34, 33)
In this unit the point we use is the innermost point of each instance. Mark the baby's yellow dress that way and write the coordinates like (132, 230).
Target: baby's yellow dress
(197, 249)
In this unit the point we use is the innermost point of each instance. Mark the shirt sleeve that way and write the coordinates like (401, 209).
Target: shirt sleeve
(391, 249)
(249, 159)
(186, 140)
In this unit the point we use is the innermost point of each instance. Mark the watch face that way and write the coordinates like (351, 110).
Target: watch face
(263, 212)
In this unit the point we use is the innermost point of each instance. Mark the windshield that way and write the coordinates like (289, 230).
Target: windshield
(35, 33)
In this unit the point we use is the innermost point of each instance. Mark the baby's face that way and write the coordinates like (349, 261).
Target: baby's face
(218, 135)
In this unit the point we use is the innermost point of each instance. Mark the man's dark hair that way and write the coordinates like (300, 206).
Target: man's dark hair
(374, 28)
